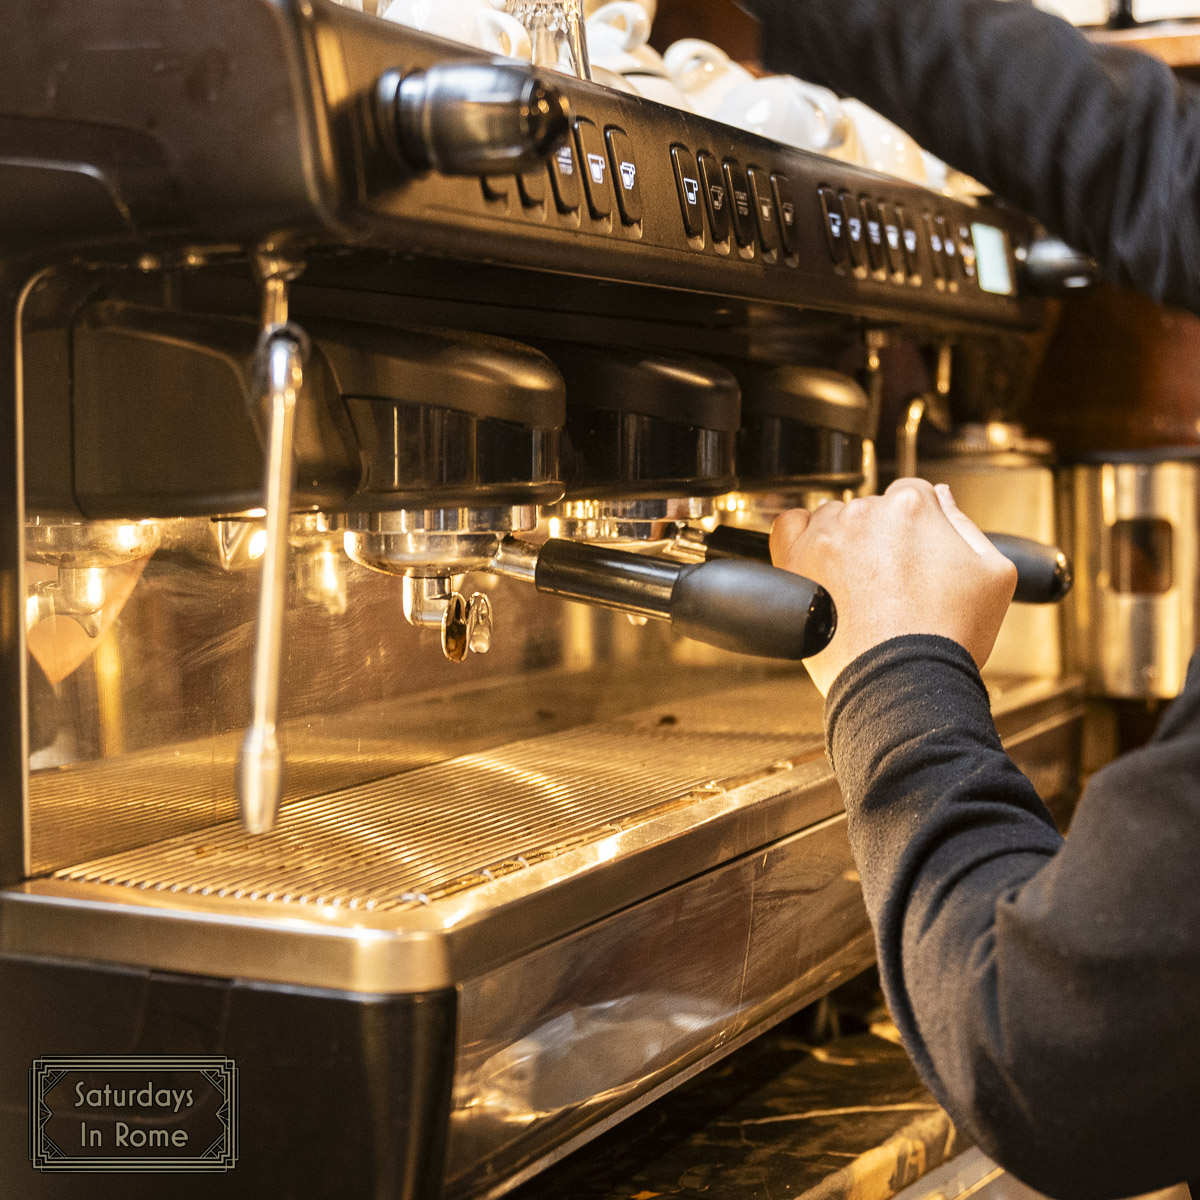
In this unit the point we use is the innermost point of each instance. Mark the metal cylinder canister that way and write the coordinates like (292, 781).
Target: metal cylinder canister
(1132, 527)
(1004, 481)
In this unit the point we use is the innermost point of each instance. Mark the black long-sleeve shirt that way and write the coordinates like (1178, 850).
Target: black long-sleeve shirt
(1100, 144)
(1048, 991)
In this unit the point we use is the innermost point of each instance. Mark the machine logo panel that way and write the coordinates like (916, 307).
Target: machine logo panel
(134, 1113)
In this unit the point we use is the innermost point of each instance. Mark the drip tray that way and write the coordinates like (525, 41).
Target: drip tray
(419, 880)
(436, 832)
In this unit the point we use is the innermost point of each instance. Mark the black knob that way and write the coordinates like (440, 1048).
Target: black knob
(1050, 267)
(471, 118)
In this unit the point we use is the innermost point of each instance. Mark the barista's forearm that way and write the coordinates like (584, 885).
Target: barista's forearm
(942, 826)
(1045, 989)
(1103, 145)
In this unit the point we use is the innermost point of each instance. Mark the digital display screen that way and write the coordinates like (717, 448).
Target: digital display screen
(991, 250)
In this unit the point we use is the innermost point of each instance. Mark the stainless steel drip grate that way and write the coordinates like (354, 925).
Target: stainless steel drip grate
(407, 839)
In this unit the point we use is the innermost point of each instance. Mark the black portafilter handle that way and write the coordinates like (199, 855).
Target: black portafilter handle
(746, 607)
(1044, 574)
(471, 118)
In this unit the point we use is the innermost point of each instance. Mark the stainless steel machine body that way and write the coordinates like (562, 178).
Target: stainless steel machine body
(490, 904)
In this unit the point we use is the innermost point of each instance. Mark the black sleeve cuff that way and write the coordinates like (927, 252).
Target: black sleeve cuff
(895, 694)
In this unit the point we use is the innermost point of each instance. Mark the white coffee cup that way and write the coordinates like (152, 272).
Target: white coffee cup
(619, 25)
(703, 72)
(612, 79)
(786, 109)
(617, 33)
(873, 141)
(649, 7)
(472, 22)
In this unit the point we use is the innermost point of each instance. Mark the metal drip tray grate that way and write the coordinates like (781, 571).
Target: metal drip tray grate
(410, 839)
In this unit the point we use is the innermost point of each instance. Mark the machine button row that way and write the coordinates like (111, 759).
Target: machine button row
(879, 238)
(608, 166)
(687, 180)
(716, 195)
(740, 203)
(764, 210)
(751, 203)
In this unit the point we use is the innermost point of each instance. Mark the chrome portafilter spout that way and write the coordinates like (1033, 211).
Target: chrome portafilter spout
(432, 550)
(464, 622)
(282, 350)
(82, 552)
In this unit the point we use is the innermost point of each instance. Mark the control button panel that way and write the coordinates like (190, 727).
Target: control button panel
(687, 180)
(856, 234)
(938, 255)
(716, 196)
(910, 239)
(593, 158)
(966, 252)
(887, 236)
(624, 175)
(892, 239)
(532, 186)
(835, 224)
(949, 248)
(764, 210)
(564, 179)
(873, 223)
(495, 187)
(789, 213)
(740, 203)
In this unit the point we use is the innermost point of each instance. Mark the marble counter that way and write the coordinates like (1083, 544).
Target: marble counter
(780, 1119)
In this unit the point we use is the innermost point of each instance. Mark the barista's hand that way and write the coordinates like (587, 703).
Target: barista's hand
(905, 562)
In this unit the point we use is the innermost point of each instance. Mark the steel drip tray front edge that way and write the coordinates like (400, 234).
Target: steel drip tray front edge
(417, 949)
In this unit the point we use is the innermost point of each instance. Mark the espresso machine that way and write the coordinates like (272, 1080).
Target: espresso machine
(392, 703)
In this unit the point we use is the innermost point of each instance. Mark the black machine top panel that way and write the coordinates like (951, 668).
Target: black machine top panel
(265, 130)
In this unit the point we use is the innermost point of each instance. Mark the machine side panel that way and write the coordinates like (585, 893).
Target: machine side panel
(338, 1095)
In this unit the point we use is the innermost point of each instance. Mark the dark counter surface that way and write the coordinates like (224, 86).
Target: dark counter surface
(789, 1115)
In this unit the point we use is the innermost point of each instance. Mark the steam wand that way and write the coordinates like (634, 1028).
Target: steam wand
(282, 350)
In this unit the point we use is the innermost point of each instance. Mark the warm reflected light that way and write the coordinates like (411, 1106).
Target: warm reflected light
(329, 572)
(555, 526)
(127, 536)
(258, 543)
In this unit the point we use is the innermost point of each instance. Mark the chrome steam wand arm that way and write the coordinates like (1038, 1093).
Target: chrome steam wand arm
(282, 351)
